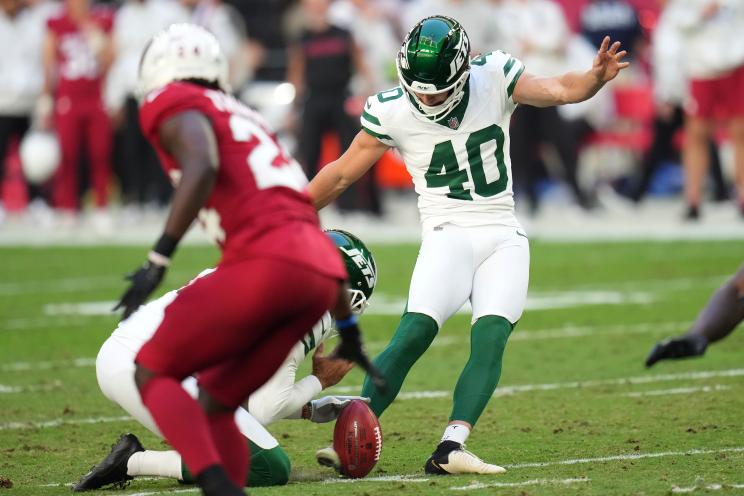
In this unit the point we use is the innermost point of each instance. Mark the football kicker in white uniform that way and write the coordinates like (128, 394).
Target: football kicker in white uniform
(282, 397)
(449, 119)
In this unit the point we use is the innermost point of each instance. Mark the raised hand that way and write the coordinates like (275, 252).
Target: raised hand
(608, 62)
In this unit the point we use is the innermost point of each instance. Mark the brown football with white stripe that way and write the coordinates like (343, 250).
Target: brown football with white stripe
(357, 439)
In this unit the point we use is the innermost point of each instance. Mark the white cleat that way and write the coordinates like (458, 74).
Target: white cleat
(460, 461)
(328, 458)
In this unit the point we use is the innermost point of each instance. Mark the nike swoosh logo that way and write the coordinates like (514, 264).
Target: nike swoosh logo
(522, 234)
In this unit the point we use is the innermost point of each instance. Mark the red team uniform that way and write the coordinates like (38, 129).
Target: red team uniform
(79, 114)
(278, 273)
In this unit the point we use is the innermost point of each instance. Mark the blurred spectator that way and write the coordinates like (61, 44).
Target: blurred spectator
(321, 65)
(77, 53)
(137, 21)
(370, 23)
(267, 42)
(614, 18)
(536, 32)
(227, 25)
(714, 64)
(474, 15)
(670, 92)
(22, 29)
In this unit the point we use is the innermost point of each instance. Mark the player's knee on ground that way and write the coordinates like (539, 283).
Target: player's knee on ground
(269, 467)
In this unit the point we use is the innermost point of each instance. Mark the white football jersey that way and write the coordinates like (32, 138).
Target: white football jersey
(280, 397)
(460, 165)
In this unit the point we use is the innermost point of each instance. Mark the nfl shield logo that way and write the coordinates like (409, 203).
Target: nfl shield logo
(453, 122)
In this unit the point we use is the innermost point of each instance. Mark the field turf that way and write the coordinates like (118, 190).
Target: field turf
(576, 412)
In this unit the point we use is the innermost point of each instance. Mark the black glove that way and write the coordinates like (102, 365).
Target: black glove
(680, 347)
(144, 282)
(351, 349)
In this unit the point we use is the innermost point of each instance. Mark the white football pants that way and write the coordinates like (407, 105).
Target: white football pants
(487, 265)
(115, 372)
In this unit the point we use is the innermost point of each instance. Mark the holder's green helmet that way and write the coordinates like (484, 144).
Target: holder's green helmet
(435, 58)
(361, 266)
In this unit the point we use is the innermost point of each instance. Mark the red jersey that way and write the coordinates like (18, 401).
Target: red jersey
(258, 204)
(78, 71)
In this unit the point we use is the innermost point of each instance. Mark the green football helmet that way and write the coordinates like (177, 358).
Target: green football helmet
(435, 58)
(361, 266)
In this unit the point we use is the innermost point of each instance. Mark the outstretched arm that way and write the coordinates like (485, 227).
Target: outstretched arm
(572, 87)
(334, 178)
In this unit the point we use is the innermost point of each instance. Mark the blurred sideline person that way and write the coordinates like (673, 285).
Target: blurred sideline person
(227, 25)
(77, 54)
(714, 63)
(614, 18)
(670, 93)
(536, 31)
(136, 22)
(21, 36)
(277, 276)
(321, 65)
(280, 398)
(720, 316)
(449, 119)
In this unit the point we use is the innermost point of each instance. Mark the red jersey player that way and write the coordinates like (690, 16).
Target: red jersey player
(278, 274)
(77, 53)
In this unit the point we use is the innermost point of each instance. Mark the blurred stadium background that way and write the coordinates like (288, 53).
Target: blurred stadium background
(609, 168)
(600, 189)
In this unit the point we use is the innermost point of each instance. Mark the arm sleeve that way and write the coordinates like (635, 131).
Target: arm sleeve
(371, 120)
(281, 397)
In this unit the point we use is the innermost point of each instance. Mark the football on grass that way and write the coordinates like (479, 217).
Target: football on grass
(357, 439)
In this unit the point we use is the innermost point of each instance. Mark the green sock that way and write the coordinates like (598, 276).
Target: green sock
(269, 467)
(415, 333)
(481, 374)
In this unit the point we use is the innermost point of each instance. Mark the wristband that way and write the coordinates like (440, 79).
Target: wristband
(165, 246)
(346, 323)
(158, 259)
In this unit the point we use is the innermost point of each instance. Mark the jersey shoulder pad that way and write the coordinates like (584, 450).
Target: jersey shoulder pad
(379, 111)
(165, 102)
(501, 67)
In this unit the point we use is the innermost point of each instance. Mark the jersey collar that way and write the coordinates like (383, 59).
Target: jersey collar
(453, 119)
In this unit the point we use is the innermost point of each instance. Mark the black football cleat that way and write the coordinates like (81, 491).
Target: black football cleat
(113, 469)
(675, 348)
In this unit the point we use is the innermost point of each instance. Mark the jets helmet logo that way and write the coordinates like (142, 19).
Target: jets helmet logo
(361, 262)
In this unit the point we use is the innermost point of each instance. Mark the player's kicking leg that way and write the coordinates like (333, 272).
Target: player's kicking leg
(720, 316)
(498, 296)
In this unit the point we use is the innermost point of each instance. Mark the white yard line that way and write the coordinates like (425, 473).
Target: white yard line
(381, 478)
(534, 482)
(46, 365)
(5, 389)
(621, 381)
(564, 332)
(60, 422)
(628, 456)
(688, 390)
(706, 487)
(166, 491)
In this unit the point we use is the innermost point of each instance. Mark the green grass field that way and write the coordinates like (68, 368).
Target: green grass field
(576, 412)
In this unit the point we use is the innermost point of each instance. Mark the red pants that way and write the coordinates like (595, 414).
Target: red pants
(79, 122)
(237, 325)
